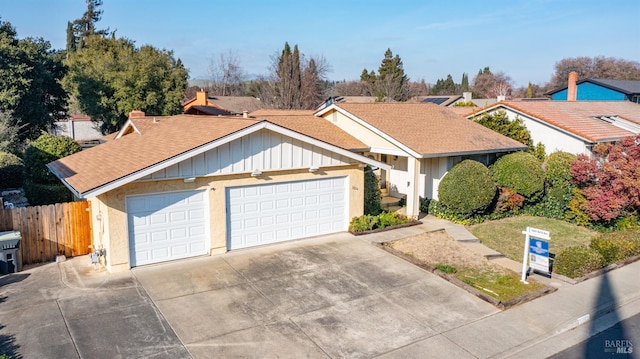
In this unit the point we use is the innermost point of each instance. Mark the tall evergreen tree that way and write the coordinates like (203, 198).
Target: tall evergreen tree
(529, 91)
(312, 86)
(82, 28)
(391, 81)
(464, 84)
(289, 79)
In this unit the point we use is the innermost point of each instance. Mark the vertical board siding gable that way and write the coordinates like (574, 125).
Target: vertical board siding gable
(263, 150)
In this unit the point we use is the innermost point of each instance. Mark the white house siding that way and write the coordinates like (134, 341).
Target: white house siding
(263, 150)
(553, 139)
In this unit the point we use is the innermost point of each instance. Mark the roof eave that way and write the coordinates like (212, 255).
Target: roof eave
(474, 152)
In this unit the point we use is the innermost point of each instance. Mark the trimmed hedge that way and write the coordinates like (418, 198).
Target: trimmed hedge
(372, 194)
(617, 246)
(558, 169)
(467, 189)
(521, 172)
(11, 170)
(47, 148)
(39, 194)
(577, 261)
(369, 222)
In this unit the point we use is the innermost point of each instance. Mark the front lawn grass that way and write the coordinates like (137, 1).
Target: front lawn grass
(505, 235)
(502, 286)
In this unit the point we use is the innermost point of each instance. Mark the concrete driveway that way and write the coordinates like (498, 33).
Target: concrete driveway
(334, 296)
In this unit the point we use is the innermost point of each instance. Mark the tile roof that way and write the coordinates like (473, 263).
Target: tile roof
(162, 139)
(315, 127)
(430, 130)
(580, 117)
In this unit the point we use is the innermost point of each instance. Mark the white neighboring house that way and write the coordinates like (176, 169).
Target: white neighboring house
(78, 127)
(571, 126)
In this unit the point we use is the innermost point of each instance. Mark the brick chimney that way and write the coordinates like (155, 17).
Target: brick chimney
(136, 114)
(201, 97)
(572, 88)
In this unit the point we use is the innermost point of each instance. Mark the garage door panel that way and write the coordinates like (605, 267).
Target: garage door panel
(167, 226)
(289, 210)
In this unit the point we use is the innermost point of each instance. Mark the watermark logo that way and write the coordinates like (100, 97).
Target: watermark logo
(618, 346)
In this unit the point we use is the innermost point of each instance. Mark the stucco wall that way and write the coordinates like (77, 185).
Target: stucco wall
(112, 233)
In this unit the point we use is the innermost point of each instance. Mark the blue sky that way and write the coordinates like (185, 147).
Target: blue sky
(524, 39)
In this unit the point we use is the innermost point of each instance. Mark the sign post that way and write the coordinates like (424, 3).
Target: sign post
(536, 251)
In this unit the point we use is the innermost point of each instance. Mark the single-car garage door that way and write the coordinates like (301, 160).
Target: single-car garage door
(167, 226)
(277, 212)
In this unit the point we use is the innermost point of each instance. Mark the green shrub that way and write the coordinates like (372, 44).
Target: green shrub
(46, 148)
(372, 195)
(39, 194)
(575, 210)
(369, 222)
(467, 189)
(617, 246)
(11, 170)
(521, 172)
(558, 169)
(577, 261)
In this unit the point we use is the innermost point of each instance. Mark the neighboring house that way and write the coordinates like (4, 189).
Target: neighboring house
(203, 104)
(180, 186)
(570, 126)
(421, 141)
(78, 127)
(440, 100)
(597, 90)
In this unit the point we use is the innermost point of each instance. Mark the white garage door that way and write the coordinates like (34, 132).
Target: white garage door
(167, 226)
(269, 213)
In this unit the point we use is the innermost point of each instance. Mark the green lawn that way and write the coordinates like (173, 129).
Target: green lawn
(505, 235)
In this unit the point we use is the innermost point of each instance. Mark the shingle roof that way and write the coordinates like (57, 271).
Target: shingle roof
(237, 104)
(430, 130)
(207, 110)
(162, 138)
(626, 86)
(580, 117)
(315, 127)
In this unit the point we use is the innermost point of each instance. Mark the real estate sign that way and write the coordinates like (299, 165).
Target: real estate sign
(536, 251)
(539, 255)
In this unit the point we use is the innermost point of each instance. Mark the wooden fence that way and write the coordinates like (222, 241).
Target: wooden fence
(47, 231)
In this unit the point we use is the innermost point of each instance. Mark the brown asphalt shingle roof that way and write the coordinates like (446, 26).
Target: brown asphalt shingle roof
(579, 117)
(429, 129)
(306, 123)
(163, 138)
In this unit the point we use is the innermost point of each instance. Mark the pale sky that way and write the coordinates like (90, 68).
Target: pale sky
(523, 39)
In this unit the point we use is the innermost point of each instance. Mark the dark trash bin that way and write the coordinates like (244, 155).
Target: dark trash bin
(10, 256)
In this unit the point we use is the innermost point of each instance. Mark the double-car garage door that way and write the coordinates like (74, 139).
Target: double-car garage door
(276, 212)
(174, 225)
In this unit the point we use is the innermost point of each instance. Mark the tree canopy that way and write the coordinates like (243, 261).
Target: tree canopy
(391, 83)
(30, 92)
(610, 181)
(599, 67)
(108, 78)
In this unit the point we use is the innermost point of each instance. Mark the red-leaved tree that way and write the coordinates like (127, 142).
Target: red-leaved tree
(611, 180)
